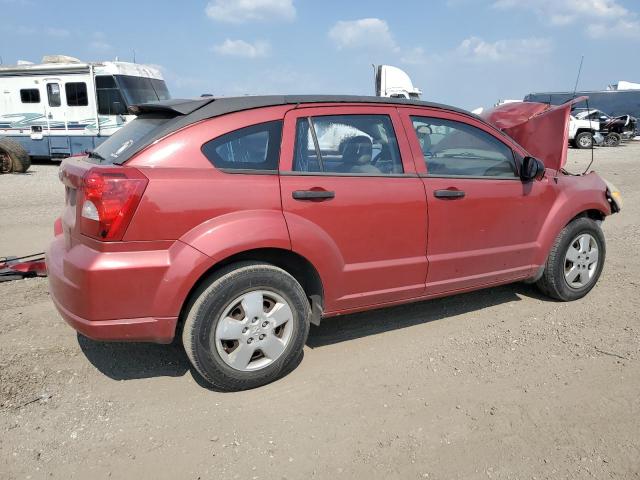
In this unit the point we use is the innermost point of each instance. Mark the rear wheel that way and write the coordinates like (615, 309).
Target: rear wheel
(247, 326)
(584, 140)
(575, 261)
(612, 139)
(10, 149)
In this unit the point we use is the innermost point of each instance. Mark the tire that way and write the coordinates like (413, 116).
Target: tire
(584, 140)
(19, 156)
(612, 139)
(562, 264)
(222, 307)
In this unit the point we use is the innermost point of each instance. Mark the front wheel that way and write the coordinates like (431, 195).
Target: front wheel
(247, 326)
(575, 261)
(584, 140)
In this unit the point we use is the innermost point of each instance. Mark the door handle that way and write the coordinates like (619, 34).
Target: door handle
(451, 194)
(313, 194)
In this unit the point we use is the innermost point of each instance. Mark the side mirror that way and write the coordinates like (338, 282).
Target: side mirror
(531, 168)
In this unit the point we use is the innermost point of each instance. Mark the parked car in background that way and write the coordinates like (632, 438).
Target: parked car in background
(234, 223)
(615, 129)
(584, 133)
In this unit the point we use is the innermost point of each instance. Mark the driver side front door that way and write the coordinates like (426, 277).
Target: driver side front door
(483, 221)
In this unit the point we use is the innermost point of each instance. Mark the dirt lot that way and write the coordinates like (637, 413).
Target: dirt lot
(501, 383)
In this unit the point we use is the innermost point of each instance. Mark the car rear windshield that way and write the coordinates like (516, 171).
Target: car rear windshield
(127, 140)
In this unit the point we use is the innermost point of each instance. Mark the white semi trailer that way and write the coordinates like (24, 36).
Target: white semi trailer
(63, 107)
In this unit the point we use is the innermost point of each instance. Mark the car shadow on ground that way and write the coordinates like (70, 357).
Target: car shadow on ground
(349, 327)
(131, 361)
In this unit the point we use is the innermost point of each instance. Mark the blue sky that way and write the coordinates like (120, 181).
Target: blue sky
(466, 53)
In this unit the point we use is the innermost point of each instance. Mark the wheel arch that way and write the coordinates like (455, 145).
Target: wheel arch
(291, 262)
(562, 217)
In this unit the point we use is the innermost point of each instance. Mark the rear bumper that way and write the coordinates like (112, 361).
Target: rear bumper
(123, 295)
(156, 330)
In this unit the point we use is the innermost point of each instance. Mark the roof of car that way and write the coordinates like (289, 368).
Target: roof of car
(209, 107)
(184, 112)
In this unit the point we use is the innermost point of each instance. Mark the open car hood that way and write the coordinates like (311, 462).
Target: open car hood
(541, 129)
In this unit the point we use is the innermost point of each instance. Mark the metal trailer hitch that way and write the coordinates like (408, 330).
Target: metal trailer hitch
(15, 268)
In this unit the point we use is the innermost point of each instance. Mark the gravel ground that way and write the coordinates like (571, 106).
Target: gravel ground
(501, 383)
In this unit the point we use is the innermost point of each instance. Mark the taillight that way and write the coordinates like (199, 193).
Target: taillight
(110, 196)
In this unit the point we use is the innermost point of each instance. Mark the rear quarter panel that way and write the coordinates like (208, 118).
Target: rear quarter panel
(185, 191)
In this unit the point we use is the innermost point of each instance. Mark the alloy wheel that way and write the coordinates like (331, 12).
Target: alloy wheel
(581, 261)
(254, 330)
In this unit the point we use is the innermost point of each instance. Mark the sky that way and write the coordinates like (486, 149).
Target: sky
(467, 53)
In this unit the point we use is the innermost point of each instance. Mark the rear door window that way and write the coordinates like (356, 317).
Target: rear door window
(458, 149)
(251, 148)
(347, 144)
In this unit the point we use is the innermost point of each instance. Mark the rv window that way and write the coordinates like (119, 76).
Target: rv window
(139, 90)
(53, 94)
(110, 100)
(30, 95)
(76, 94)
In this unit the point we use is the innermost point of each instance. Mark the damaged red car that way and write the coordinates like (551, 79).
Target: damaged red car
(235, 223)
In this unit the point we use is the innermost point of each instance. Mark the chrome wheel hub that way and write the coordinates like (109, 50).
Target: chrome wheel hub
(254, 330)
(585, 141)
(581, 261)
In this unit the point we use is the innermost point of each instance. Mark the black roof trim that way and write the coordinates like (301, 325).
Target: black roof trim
(185, 112)
(210, 107)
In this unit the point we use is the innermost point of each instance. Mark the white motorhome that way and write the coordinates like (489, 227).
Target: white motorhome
(63, 106)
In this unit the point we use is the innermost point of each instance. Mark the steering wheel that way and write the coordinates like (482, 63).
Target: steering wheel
(384, 151)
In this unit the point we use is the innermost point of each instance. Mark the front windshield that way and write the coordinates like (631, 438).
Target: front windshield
(138, 90)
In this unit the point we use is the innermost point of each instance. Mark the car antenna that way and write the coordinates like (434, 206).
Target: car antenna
(575, 89)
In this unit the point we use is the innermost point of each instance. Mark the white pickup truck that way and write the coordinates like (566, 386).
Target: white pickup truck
(584, 133)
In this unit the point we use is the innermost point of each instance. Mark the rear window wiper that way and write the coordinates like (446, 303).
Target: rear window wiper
(96, 155)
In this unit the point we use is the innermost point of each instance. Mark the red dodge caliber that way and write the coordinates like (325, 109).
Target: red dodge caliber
(234, 223)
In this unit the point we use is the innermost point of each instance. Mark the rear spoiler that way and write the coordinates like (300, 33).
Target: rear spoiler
(541, 129)
(173, 107)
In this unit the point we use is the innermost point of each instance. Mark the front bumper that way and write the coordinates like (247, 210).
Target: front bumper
(122, 295)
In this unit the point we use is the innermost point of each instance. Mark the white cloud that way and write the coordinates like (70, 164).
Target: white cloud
(603, 17)
(99, 43)
(363, 33)
(629, 28)
(240, 48)
(241, 11)
(414, 56)
(478, 50)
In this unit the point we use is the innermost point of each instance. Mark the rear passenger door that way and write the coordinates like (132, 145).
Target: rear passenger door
(354, 204)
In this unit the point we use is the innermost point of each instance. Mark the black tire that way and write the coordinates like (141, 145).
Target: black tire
(207, 307)
(19, 156)
(612, 139)
(553, 282)
(584, 140)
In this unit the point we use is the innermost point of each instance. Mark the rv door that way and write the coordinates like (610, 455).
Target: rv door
(53, 106)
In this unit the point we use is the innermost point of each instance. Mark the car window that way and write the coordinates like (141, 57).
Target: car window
(457, 149)
(251, 148)
(355, 144)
